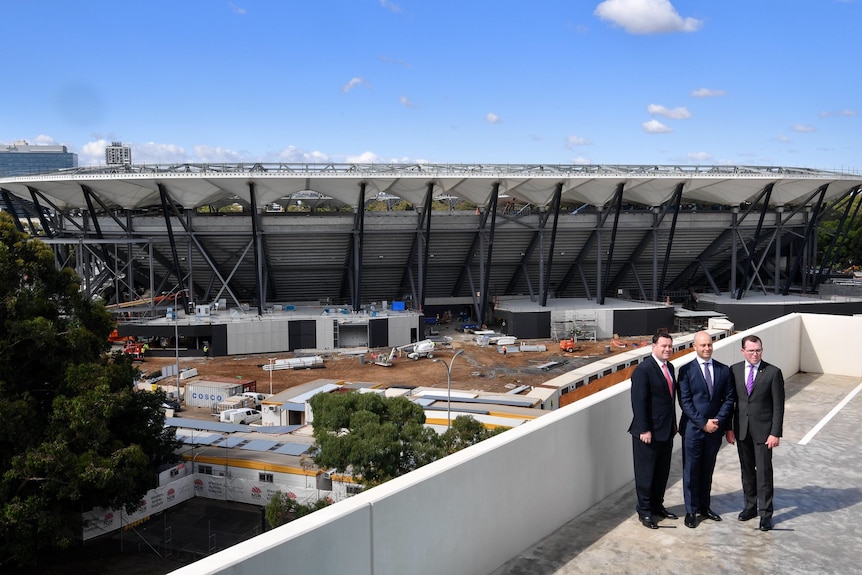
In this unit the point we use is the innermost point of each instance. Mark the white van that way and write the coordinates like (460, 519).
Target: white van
(242, 416)
(255, 396)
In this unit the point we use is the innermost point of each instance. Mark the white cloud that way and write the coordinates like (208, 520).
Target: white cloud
(707, 93)
(406, 102)
(354, 82)
(699, 157)
(803, 128)
(572, 141)
(365, 158)
(292, 154)
(581, 161)
(93, 153)
(782, 138)
(390, 60)
(493, 118)
(394, 8)
(845, 113)
(645, 16)
(43, 140)
(236, 9)
(675, 114)
(217, 155)
(156, 153)
(655, 127)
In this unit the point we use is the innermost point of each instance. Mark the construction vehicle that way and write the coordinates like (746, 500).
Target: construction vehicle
(424, 348)
(569, 345)
(386, 361)
(414, 351)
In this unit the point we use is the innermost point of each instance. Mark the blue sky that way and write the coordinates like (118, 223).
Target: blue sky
(754, 82)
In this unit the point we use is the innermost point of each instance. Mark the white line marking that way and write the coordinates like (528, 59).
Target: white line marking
(822, 423)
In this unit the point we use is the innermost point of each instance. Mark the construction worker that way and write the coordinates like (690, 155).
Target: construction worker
(206, 350)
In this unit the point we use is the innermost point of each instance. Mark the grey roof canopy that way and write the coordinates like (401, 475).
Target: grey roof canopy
(537, 231)
(195, 185)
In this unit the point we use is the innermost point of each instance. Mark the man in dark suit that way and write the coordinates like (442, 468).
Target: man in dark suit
(706, 396)
(653, 428)
(758, 420)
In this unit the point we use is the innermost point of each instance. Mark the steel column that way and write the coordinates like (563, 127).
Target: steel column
(555, 206)
(163, 195)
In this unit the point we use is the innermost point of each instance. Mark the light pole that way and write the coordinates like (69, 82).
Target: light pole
(449, 385)
(177, 350)
(270, 374)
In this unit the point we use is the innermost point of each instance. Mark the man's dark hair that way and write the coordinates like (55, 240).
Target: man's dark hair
(658, 336)
(752, 339)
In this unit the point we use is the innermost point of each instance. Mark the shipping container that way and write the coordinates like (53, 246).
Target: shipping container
(209, 393)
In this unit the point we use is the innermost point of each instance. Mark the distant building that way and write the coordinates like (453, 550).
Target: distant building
(22, 159)
(118, 155)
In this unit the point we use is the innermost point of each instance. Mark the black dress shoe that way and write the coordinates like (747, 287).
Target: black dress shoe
(690, 520)
(649, 522)
(765, 523)
(665, 514)
(747, 514)
(710, 514)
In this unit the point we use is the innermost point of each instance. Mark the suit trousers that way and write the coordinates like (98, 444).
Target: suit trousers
(699, 452)
(755, 461)
(652, 469)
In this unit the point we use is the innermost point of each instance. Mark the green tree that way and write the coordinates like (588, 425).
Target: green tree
(466, 431)
(73, 432)
(372, 437)
(375, 438)
(283, 508)
(848, 251)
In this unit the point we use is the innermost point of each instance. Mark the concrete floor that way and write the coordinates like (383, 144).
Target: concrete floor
(818, 508)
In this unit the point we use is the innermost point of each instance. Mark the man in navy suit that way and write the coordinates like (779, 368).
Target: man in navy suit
(758, 421)
(653, 427)
(706, 396)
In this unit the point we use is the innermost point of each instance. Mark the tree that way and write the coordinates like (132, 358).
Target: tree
(73, 432)
(373, 437)
(847, 253)
(466, 431)
(376, 438)
(283, 508)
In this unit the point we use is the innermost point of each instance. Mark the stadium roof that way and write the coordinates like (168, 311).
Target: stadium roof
(536, 230)
(195, 185)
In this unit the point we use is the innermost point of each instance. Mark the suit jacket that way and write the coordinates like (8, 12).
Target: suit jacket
(653, 406)
(697, 404)
(762, 413)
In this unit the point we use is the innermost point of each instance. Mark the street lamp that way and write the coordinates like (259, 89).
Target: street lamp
(177, 350)
(270, 374)
(449, 385)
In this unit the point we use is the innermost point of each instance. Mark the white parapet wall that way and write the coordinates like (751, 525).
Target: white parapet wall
(472, 511)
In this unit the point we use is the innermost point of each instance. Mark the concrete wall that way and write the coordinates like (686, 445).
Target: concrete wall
(472, 511)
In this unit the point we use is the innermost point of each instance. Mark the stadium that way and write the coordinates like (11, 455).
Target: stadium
(361, 254)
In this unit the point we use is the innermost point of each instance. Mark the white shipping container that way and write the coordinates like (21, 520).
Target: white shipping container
(209, 393)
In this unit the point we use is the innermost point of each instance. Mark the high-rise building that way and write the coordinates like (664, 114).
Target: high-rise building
(22, 159)
(118, 155)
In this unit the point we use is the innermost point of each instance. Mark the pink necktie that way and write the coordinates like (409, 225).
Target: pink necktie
(749, 383)
(668, 378)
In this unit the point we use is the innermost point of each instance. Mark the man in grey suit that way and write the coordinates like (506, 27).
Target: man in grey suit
(758, 420)
(706, 396)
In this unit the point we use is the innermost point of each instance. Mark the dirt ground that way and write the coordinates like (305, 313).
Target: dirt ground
(477, 368)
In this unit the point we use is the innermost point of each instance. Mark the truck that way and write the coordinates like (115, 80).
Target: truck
(241, 416)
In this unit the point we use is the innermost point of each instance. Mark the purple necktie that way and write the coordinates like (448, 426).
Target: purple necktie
(708, 377)
(749, 383)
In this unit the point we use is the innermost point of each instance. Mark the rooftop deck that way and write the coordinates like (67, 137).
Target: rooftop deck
(818, 507)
